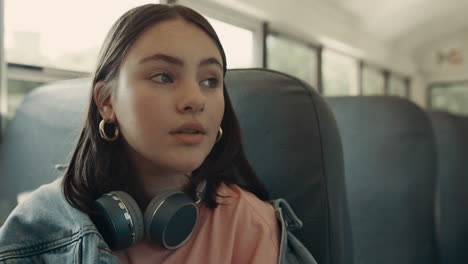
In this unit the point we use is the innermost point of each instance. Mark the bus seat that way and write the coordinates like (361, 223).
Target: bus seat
(292, 141)
(390, 170)
(451, 134)
(39, 137)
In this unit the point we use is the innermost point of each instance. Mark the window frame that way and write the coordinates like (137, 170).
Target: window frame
(25, 72)
(3, 80)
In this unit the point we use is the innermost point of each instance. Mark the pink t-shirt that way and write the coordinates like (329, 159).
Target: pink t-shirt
(242, 229)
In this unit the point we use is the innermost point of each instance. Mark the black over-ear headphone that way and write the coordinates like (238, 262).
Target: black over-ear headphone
(169, 219)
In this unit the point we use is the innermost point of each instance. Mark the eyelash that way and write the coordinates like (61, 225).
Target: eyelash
(213, 80)
(170, 79)
(162, 74)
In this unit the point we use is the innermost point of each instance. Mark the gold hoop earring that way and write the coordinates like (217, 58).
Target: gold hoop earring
(220, 134)
(102, 132)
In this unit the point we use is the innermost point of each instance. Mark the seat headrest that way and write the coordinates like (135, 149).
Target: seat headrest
(292, 141)
(40, 135)
(451, 134)
(390, 165)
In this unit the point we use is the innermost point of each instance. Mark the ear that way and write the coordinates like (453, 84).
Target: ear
(103, 97)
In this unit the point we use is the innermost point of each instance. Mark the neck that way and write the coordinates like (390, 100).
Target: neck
(149, 185)
(152, 180)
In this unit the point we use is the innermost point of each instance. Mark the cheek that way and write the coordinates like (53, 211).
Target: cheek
(139, 114)
(127, 110)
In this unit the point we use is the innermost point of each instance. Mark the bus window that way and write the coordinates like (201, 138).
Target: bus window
(22, 79)
(449, 97)
(292, 57)
(241, 34)
(238, 44)
(373, 82)
(67, 38)
(340, 74)
(43, 46)
(397, 87)
(18, 88)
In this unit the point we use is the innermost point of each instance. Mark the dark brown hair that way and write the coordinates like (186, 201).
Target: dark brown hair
(98, 166)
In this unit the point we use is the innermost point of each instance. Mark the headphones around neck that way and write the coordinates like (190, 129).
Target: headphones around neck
(168, 220)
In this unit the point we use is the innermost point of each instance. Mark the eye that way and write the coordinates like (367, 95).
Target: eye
(211, 82)
(162, 78)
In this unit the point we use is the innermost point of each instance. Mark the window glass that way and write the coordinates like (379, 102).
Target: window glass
(238, 44)
(292, 57)
(450, 97)
(22, 79)
(397, 87)
(47, 38)
(373, 81)
(18, 89)
(340, 74)
(60, 34)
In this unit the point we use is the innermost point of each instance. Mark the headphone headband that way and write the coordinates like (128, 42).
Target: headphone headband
(200, 192)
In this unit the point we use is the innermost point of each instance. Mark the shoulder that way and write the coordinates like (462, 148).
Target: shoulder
(246, 225)
(45, 219)
(247, 209)
(232, 194)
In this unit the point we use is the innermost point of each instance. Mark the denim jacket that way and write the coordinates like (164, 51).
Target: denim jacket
(47, 229)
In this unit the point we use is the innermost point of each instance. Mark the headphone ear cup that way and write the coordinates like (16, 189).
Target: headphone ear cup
(120, 220)
(170, 219)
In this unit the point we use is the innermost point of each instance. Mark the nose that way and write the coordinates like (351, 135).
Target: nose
(191, 99)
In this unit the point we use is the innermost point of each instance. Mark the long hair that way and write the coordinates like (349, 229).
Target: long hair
(97, 166)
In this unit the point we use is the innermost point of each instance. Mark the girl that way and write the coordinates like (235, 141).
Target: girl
(158, 174)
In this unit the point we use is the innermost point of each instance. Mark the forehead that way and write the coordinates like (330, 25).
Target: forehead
(175, 37)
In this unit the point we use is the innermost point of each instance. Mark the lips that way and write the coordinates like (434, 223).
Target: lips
(191, 127)
(190, 133)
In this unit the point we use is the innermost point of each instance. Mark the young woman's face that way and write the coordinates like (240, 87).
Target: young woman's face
(169, 99)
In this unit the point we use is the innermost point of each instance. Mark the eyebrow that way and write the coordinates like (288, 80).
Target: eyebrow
(211, 61)
(177, 61)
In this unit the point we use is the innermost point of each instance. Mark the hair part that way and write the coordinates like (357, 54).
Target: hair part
(97, 166)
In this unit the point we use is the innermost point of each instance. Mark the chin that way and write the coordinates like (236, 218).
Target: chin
(185, 162)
